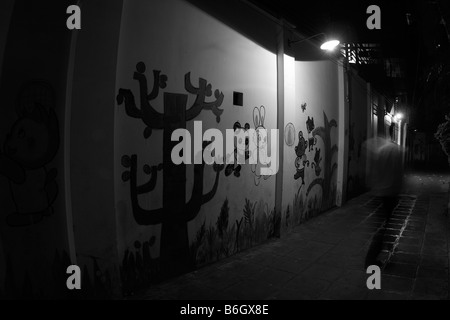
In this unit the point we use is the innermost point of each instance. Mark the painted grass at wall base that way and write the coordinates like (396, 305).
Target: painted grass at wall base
(257, 224)
(219, 240)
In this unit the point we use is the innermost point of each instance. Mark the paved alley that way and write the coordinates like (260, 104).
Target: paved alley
(324, 258)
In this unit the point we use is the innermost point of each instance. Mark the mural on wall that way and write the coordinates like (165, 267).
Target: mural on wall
(306, 203)
(32, 143)
(303, 106)
(289, 135)
(175, 212)
(155, 120)
(328, 189)
(316, 164)
(239, 152)
(311, 139)
(259, 116)
(139, 269)
(223, 238)
(30, 146)
(301, 162)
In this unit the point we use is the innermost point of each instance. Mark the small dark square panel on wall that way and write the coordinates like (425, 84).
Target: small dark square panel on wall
(238, 99)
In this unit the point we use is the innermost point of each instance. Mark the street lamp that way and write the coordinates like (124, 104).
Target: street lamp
(329, 45)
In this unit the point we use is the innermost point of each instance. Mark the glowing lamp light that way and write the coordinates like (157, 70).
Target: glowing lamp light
(398, 117)
(330, 45)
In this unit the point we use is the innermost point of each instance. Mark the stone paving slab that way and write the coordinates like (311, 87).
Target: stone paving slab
(324, 257)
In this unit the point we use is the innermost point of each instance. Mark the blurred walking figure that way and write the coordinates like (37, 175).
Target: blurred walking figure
(385, 181)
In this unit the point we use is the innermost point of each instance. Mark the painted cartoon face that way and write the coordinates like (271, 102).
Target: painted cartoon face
(259, 116)
(302, 145)
(242, 146)
(310, 124)
(27, 142)
(261, 138)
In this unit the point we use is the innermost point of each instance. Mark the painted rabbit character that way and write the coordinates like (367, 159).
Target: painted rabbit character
(260, 141)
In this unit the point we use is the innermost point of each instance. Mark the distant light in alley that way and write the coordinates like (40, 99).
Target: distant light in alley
(398, 116)
(330, 45)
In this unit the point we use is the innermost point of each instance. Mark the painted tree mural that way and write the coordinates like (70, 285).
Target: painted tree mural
(328, 170)
(175, 212)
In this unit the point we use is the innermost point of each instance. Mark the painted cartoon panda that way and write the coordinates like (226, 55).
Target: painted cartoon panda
(31, 144)
(260, 141)
(241, 152)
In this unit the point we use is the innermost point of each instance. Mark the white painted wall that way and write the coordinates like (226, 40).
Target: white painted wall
(176, 37)
(316, 84)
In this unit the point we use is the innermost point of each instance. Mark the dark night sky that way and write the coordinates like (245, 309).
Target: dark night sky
(423, 44)
(349, 18)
